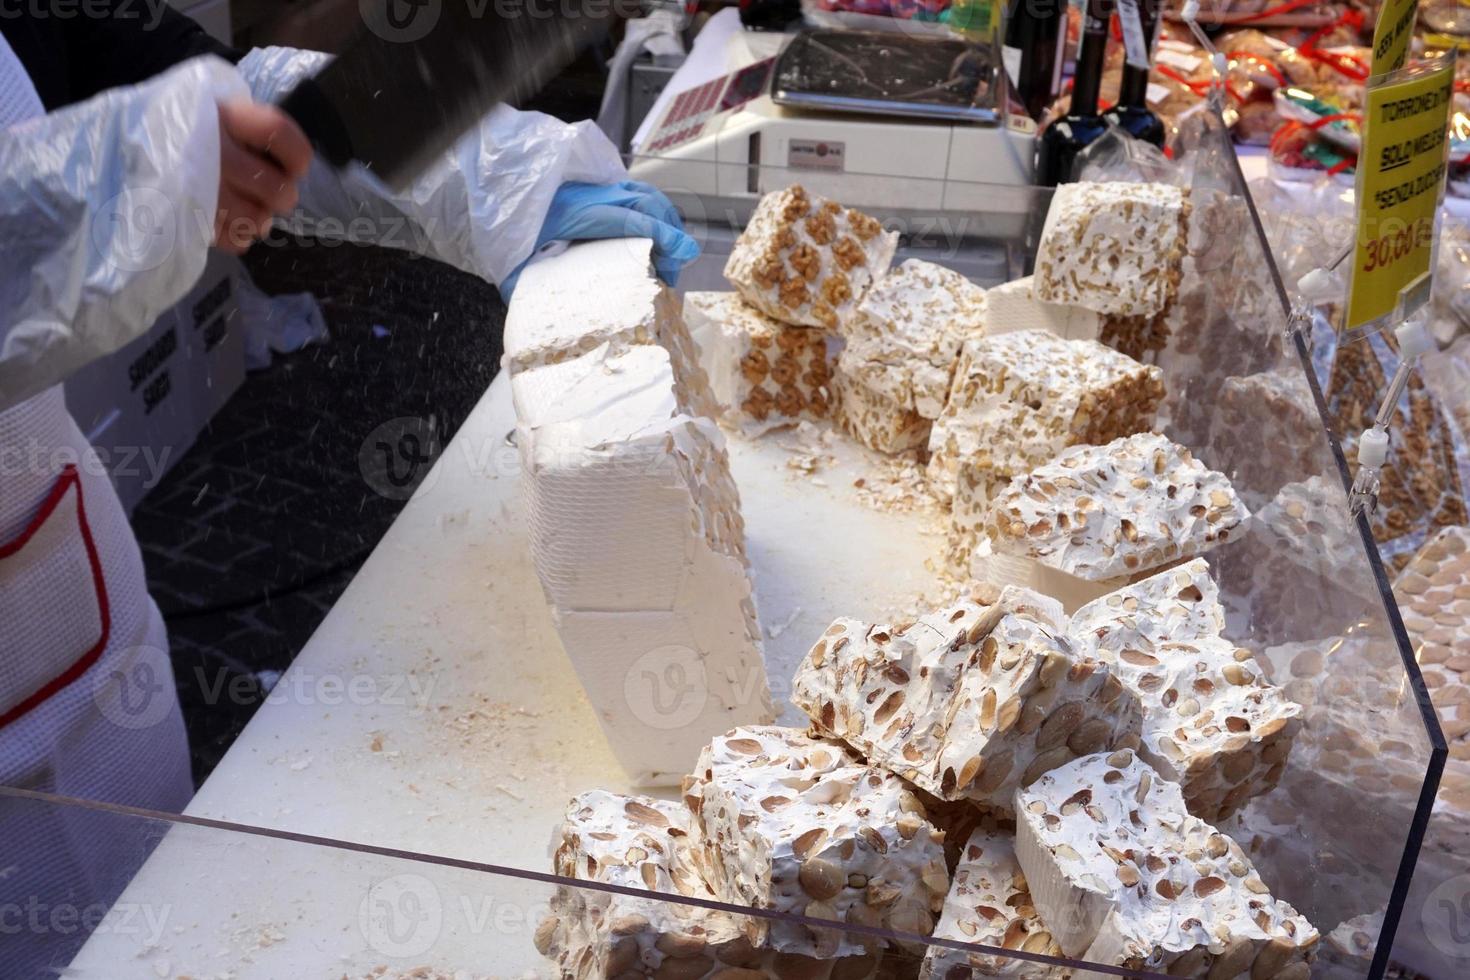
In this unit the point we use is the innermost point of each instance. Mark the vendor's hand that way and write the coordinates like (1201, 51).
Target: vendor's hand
(625, 210)
(262, 155)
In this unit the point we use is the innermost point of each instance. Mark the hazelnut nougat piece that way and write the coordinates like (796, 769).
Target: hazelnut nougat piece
(801, 825)
(1101, 512)
(989, 904)
(644, 843)
(764, 373)
(806, 260)
(1112, 248)
(970, 701)
(1013, 306)
(1125, 876)
(902, 343)
(1021, 398)
(1211, 720)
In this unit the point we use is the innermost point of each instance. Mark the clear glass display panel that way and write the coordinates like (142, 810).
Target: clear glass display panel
(434, 711)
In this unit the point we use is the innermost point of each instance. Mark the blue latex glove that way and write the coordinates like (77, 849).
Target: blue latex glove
(629, 209)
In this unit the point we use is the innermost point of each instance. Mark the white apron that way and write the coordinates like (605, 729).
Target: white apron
(87, 700)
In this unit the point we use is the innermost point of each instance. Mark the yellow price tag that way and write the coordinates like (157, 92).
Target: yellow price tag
(1401, 175)
(1392, 34)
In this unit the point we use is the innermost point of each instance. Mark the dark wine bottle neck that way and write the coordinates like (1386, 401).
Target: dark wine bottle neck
(1088, 79)
(1134, 89)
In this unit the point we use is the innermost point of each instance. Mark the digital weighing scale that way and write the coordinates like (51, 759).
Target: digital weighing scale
(896, 123)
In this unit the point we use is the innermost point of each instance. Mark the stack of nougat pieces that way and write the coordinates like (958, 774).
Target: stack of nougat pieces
(800, 270)
(634, 519)
(976, 775)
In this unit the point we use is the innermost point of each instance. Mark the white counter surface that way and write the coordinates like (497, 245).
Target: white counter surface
(434, 711)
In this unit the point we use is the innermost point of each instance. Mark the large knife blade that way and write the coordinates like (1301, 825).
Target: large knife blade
(421, 72)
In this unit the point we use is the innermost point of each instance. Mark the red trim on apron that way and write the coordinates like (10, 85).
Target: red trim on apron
(70, 479)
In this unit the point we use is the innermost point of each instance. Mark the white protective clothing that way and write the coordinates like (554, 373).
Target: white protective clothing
(106, 212)
(479, 208)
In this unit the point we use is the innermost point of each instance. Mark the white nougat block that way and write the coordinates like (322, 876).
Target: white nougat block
(1126, 877)
(1101, 512)
(1113, 248)
(764, 373)
(1013, 306)
(637, 538)
(990, 904)
(596, 293)
(806, 260)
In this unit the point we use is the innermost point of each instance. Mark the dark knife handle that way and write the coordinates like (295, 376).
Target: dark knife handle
(319, 120)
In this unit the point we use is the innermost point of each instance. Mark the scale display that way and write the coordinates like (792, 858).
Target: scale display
(877, 72)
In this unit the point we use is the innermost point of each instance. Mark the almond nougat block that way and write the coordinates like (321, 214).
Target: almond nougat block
(970, 701)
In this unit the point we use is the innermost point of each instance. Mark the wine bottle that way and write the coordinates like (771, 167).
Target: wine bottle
(1132, 114)
(1033, 52)
(1059, 144)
